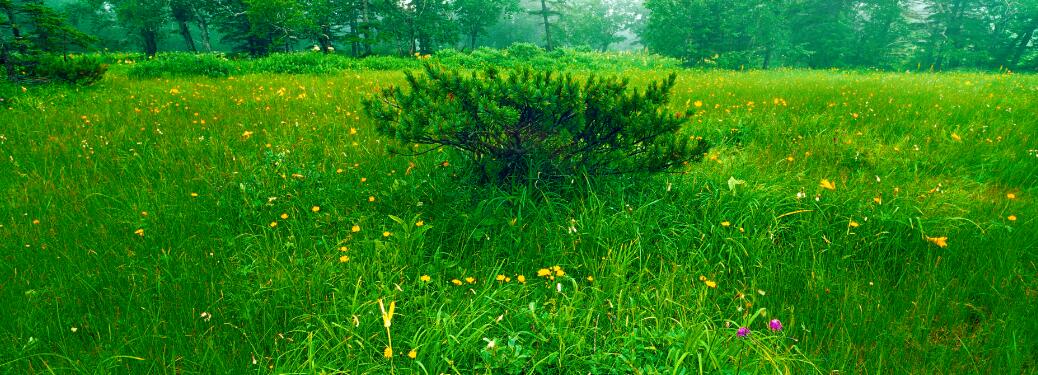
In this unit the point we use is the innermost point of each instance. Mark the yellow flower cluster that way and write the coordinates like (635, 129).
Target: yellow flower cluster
(551, 273)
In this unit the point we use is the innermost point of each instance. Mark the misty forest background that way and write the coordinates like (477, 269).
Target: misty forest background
(733, 34)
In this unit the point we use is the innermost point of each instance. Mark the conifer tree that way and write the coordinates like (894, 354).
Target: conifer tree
(525, 124)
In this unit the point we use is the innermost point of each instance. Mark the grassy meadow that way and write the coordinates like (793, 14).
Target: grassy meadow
(257, 224)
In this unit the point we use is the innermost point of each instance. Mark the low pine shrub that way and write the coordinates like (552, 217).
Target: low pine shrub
(77, 70)
(526, 124)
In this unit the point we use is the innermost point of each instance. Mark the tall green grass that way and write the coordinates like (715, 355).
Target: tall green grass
(143, 232)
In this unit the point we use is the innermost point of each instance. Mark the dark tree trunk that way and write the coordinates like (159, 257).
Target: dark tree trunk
(1021, 46)
(366, 19)
(325, 39)
(354, 36)
(954, 33)
(17, 34)
(547, 26)
(185, 32)
(252, 44)
(424, 43)
(151, 44)
(411, 38)
(472, 40)
(182, 12)
(6, 57)
(767, 58)
(937, 57)
(203, 29)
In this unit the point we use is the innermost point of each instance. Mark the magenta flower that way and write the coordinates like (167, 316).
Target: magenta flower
(743, 331)
(775, 325)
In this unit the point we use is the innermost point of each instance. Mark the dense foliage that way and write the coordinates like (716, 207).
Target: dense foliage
(34, 45)
(523, 54)
(732, 34)
(885, 34)
(78, 69)
(530, 124)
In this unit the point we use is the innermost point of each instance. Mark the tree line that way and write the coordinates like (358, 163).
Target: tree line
(361, 27)
(884, 34)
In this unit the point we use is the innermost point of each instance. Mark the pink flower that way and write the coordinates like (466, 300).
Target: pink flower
(775, 325)
(743, 331)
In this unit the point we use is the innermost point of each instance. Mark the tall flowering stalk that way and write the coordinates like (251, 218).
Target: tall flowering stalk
(387, 321)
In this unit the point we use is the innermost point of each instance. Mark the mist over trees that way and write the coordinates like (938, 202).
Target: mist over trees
(942, 34)
(734, 34)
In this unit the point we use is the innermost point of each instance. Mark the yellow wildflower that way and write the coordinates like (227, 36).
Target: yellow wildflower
(387, 315)
(939, 241)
